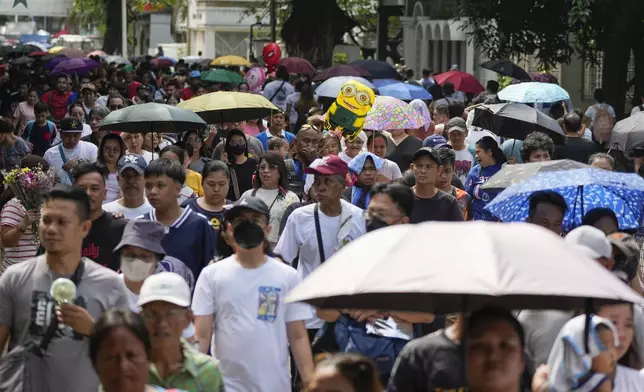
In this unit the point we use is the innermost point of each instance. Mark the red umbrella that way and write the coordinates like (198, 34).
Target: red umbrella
(462, 81)
(341, 70)
(297, 65)
(163, 62)
(37, 54)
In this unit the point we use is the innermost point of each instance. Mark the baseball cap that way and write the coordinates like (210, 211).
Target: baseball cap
(71, 125)
(329, 166)
(592, 241)
(132, 161)
(165, 287)
(436, 141)
(195, 74)
(252, 203)
(427, 152)
(144, 234)
(88, 86)
(456, 124)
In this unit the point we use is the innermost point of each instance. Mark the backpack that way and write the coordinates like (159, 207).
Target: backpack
(30, 125)
(602, 124)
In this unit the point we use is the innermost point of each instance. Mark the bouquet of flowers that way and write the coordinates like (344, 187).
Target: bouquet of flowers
(28, 185)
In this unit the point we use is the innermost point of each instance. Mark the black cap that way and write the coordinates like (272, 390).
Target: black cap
(251, 203)
(427, 152)
(70, 124)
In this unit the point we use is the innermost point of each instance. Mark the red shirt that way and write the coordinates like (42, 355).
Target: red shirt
(57, 102)
(132, 87)
(186, 93)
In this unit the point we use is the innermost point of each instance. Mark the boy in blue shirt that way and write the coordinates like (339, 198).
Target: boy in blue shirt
(40, 133)
(276, 124)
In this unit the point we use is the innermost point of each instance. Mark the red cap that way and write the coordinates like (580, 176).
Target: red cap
(330, 165)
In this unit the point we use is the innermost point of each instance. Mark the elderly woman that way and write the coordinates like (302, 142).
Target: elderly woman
(354, 147)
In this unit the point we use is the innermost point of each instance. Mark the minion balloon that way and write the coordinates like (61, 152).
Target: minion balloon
(350, 108)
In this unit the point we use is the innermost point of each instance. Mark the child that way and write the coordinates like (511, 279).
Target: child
(573, 368)
(278, 146)
(40, 133)
(444, 181)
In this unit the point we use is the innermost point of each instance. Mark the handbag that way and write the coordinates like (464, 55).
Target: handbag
(24, 368)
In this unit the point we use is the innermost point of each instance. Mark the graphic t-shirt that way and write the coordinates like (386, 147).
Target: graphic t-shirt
(28, 309)
(214, 217)
(105, 234)
(464, 163)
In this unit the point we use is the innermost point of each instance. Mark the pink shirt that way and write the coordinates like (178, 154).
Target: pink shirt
(24, 113)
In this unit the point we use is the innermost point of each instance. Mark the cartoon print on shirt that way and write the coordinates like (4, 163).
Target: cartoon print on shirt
(461, 168)
(268, 302)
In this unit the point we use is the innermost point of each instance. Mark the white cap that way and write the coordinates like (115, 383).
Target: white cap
(166, 287)
(591, 241)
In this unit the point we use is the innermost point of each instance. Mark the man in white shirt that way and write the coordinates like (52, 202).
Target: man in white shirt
(243, 297)
(68, 154)
(130, 178)
(457, 132)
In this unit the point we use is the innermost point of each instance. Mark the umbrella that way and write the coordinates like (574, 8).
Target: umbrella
(391, 269)
(192, 59)
(163, 62)
(391, 113)
(514, 174)
(533, 92)
(517, 120)
(628, 133)
(331, 87)
(507, 68)
(377, 69)
(98, 53)
(152, 117)
(296, 65)
(341, 70)
(77, 65)
(70, 53)
(221, 76)
(423, 110)
(56, 49)
(230, 60)
(462, 81)
(38, 54)
(117, 60)
(51, 62)
(227, 106)
(23, 50)
(583, 190)
(24, 60)
(401, 90)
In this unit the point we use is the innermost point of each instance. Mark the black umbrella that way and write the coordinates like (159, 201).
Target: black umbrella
(507, 68)
(24, 60)
(377, 69)
(517, 120)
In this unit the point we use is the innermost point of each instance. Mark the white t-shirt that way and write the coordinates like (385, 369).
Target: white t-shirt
(128, 213)
(277, 206)
(112, 188)
(628, 380)
(291, 99)
(464, 163)
(299, 237)
(591, 112)
(250, 321)
(87, 130)
(277, 91)
(390, 169)
(185, 194)
(636, 109)
(83, 150)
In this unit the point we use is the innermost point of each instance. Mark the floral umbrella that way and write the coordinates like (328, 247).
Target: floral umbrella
(391, 113)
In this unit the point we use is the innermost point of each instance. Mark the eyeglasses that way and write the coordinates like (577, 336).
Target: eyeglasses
(369, 215)
(266, 167)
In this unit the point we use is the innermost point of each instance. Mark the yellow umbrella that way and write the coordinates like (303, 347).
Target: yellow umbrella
(229, 106)
(230, 60)
(56, 49)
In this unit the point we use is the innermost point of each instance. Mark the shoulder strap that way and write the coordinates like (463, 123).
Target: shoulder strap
(233, 179)
(318, 233)
(278, 90)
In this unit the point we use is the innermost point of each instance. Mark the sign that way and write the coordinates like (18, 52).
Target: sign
(49, 8)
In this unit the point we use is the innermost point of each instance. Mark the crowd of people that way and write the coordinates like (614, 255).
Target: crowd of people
(183, 247)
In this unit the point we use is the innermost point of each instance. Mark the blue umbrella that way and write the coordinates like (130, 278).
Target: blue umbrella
(377, 69)
(331, 87)
(401, 90)
(533, 92)
(583, 190)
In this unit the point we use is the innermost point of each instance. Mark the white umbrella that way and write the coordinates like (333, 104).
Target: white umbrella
(427, 268)
(533, 92)
(331, 87)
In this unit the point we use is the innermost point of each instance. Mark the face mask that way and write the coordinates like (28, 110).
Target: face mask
(375, 224)
(135, 270)
(248, 234)
(237, 150)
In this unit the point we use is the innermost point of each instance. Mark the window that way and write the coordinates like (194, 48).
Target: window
(592, 77)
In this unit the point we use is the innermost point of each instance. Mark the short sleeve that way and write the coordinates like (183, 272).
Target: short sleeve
(12, 214)
(288, 245)
(590, 112)
(395, 172)
(297, 311)
(456, 215)
(407, 374)
(203, 300)
(611, 110)
(6, 298)
(120, 297)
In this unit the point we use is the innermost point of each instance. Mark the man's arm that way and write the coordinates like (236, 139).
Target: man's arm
(298, 340)
(203, 334)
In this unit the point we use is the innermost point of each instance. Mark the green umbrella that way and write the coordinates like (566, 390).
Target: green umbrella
(152, 117)
(221, 76)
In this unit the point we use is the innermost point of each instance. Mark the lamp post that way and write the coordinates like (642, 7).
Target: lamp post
(124, 28)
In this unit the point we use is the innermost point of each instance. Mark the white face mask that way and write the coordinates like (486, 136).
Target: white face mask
(135, 270)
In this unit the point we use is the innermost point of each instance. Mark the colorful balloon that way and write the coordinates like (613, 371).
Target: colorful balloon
(350, 109)
(255, 77)
(271, 54)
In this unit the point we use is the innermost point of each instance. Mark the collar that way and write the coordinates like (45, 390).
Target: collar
(188, 366)
(177, 223)
(270, 135)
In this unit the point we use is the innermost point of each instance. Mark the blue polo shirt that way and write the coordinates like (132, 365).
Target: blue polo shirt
(265, 136)
(189, 239)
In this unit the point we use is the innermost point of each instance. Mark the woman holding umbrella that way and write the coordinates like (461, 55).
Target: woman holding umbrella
(490, 158)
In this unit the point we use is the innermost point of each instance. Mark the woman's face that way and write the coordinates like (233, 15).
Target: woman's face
(483, 156)
(354, 148)
(330, 146)
(94, 121)
(150, 141)
(622, 316)
(215, 187)
(495, 360)
(378, 147)
(133, 142)
(78, 113)
(328, 380)
(111, 151)
(121, 362)
(32, 98)
(367, 176)
(195, 141)
(269, 174)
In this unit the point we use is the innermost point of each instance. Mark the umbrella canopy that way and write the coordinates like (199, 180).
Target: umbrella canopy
(391, 113)
(52, 62)
(331, 87)
(24, 50)
(192, 59)
(297, 65)
(228, 106)
(24, 60)
(514, 174)
(56, 49)
(583, 190)
(507, 68)
(517, 120)
(533, 92)
(341, 70)
(230, 60)
(70, 53)
(462, 81)
(163, 62)
(152, 117)
(397, 89)
(221, 76)
(38, 54)
(117, 60)
(628, 133)
(377, 69)
(98, 53)
(77, 65)
(423, 110)
(391, 269)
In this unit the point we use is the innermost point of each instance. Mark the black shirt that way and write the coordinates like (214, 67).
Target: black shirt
(403, 152)
(105, 234)
(442, 207)
(91, 139)
(576, 148)
(244, 174)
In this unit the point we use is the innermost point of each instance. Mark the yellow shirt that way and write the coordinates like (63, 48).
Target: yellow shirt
(193, 180)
